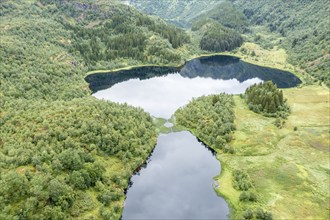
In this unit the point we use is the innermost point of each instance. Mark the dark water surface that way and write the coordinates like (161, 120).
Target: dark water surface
(177, 182)
(162, 90)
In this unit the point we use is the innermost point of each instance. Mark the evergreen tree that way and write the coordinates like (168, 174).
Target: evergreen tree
(267, 99)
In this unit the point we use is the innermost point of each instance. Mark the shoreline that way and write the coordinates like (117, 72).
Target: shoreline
(300, 76)
(224, 169)
(225, 175)
(286, 141)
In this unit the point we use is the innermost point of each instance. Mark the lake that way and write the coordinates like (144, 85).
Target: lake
(177, 181)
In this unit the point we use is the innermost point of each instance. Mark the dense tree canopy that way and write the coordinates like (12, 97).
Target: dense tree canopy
(210, 118)
(304, 30)
(64, 154)
(266, 98)
(55, 157)
(218, 38)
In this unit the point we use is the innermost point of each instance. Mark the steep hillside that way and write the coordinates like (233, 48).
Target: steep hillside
(64, 154)
(211, 21)
(45, 43)
(178, 12)
(304, 27)
(226, 14)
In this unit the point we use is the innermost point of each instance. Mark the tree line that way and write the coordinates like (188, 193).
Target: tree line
(211, 119)
(218, 38)
(303, 27)
(55, 157)
(267, 99)
(64, 154)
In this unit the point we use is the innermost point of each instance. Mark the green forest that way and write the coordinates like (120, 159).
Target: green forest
(218, 38)
(66, 155)
(58, 159)
(267, 99)
(211, 118)
(300, 27)
(303, 27)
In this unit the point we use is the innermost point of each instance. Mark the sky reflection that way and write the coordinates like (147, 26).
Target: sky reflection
(177, 183)
(162, 96)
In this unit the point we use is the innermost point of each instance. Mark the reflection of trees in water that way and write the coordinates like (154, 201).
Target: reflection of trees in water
(100, 81)
(215, 67)
(220, 60)
(227, 67)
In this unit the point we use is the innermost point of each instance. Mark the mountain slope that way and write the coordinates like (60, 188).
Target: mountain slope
(178, 12)
(226, 14)
(63, 153)
(75, 37)
(304, 26)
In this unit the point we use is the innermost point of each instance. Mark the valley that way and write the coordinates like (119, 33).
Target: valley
(65, 154)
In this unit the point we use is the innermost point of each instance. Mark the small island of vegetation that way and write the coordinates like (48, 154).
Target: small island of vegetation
(267, 99)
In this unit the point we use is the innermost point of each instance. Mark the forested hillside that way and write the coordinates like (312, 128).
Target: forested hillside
(217, 22)
(304, 26)
(46, 46)
(226, 14)
(64, 154)
(216, 37)
(178, 12)
(70, 159)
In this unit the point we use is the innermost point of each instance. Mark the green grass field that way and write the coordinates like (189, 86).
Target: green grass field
(290, 166)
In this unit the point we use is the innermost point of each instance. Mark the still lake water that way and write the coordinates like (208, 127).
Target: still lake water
(177, 182)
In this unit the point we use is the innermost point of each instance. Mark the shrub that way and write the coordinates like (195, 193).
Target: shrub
(244, 196)
(241, 180)
(248, 214)
(263, 215)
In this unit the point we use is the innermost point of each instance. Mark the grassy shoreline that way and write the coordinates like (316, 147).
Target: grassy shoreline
(281, 162)
(270, 136)
(237, 54)
(150, 65)
(288, 167)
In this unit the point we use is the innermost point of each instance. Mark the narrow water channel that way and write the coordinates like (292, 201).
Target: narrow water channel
(177, 182)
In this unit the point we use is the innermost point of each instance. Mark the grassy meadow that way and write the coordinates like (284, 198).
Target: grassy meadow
(289, 166)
